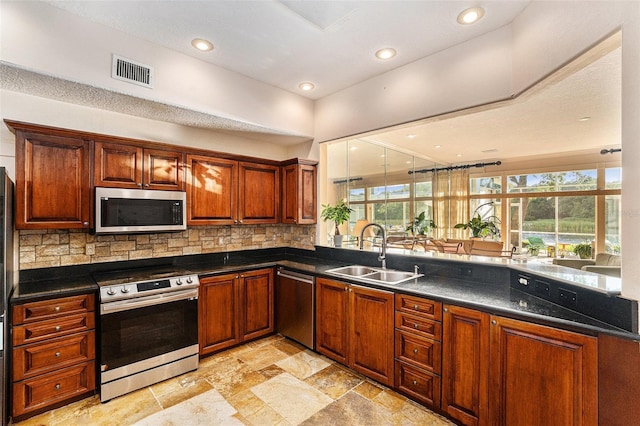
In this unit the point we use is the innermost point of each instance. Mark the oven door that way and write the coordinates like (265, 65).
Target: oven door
(138, 329)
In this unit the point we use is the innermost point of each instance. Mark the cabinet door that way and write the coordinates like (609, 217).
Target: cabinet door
(256, 290)
(217, 312)
(52, 182)
(117, 166)
(163, 170)
(212, 191)
(259, 193)
(299, 194)
(541, 375)
(332, 299)
(371, 333)
(465, 365)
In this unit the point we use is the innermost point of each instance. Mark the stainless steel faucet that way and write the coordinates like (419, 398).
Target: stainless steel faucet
(382, 257)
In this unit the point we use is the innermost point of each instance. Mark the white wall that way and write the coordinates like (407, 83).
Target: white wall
(469, 74)
(43, 38)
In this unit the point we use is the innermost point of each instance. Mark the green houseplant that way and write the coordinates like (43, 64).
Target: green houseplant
(583, 250)
(481, 227)
(337, 214)
(420, 225)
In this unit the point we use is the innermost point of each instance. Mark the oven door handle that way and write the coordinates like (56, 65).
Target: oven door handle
(141, 302)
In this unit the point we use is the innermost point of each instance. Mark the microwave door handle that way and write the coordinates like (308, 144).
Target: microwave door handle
(128, 304)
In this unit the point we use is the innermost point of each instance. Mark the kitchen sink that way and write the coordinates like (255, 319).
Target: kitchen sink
(375, 275)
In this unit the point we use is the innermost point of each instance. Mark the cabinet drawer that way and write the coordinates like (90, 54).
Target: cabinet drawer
(419, 325)
(53, 308)
(41, 391)
(418, 384)
(42, 330)
(39, 358)
(419, 306)
(420, 352)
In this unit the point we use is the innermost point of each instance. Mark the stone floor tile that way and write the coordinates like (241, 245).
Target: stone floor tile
(334, 381)
(182, 394)
(368, 390)
(288, 346)
(352, 409)
(303, 364)
(291, 398)
(390, 400)
(126, 409)
(262, 356)
(271, 371)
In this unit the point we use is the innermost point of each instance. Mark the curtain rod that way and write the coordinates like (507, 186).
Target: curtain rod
(462, 166)
(336, 182)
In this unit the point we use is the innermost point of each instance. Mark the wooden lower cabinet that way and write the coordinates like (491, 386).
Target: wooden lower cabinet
(354, 326)
(53, 353)
(501, 371)
(541, 375)
(465, 365)
(234, 308)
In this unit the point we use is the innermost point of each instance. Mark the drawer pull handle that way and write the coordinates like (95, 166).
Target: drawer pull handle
(57, 328)
(57, 308)
(415, 307)
(415, 382)
(57, 386)
(57, 354)
(415, 351)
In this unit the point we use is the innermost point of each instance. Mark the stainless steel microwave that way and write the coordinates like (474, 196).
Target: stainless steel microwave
(128, 211)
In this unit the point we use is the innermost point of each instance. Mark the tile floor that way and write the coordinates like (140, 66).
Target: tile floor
(272, 381)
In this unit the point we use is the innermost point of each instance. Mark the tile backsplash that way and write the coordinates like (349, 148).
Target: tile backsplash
(50, 248)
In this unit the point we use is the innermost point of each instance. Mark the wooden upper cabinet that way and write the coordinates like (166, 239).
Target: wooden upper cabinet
(299, 189)
(53, 181)
(259, 193)
(541, 375)
(129, 166)
(212, 185)
(226, 192)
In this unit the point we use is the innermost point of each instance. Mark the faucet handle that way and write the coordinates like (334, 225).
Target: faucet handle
(416, 269)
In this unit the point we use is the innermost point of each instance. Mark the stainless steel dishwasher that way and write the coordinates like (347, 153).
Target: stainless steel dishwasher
(295, 306)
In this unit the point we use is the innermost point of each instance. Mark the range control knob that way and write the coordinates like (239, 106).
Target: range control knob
(189, 280)
(124, 289)
(178, 281)
(111, 291)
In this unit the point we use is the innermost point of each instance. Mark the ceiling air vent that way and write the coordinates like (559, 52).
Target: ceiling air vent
(134, 72)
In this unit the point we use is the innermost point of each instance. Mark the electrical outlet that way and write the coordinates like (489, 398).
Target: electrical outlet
(90, 249)
(542, 288)
(568, 298)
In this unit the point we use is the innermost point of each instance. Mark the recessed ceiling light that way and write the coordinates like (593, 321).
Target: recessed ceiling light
(437, 146)
(202, 44)
(306, 86)
(458, 155)
(386, 53)
(471, 15)
(411, 136)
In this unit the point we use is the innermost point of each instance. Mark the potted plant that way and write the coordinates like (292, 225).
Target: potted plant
(481, 227)
(533, 245)
(583, 250)
(420, 224)
(337, 214)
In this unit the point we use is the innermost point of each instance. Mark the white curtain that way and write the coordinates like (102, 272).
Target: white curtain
(451, 202)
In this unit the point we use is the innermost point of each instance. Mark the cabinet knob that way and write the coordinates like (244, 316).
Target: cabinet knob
(57, 328)
(415, 307)
(85, 223)
(415, 382)
(57, 309)
(240, 221)
(140, 185)
(57, 354)
(446, 309)
(415, 325)
(415, 351)
(57, 386)
(494, 322)
(146, 185)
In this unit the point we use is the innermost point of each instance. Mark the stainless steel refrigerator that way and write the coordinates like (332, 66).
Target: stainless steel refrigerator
(6, 278)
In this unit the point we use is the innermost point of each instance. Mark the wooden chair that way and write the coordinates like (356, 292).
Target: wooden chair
(490, 248)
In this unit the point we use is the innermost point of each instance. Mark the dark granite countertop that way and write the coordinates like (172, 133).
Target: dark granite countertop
(497, 298)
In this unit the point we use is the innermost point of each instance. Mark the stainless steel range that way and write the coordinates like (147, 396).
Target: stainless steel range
(149, 328)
